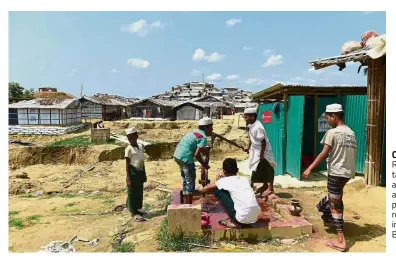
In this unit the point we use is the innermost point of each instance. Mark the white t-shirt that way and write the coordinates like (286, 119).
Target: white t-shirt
(136, 155)
(245, 203)
(257, 133)
(342, 157)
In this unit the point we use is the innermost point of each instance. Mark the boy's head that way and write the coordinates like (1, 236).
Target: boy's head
(132, 135)
(250, 115)
(206, 124)
(334, 114)
(230, 167)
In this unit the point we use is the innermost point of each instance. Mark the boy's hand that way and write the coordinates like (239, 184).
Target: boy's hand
(306, 173)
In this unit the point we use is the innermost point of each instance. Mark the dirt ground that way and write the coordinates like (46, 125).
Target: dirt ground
(77, 199)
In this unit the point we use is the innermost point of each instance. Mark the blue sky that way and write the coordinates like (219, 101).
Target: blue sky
(138, 54)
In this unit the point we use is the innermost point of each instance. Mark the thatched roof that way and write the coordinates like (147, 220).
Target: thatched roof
(53, 95)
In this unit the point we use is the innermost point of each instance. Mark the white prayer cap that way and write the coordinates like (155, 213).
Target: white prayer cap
(130, 130)
(205, 121)
(250, 111)
(333, 108)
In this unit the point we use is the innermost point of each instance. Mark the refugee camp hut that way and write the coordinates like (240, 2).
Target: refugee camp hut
(214, 106)
(45, 111)
(154, 108)
(373, 57)
(293, 116)
(189, 111)
(105, 107)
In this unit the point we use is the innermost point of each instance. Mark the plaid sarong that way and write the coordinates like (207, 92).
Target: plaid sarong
(331, 205)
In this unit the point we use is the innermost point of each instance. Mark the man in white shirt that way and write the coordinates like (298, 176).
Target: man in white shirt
(236, 196)
(261, 158)
(339, 147)
(135, 175)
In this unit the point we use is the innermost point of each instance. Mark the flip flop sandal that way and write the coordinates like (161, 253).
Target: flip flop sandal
(330, 244)
(226, 224)
(139, 218)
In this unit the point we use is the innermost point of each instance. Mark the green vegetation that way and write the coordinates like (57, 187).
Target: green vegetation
(82, 140)
(180, 242)
(13, 213)
(20, 223)
(71, 204)
(126, 247)
(26, 196)
(16, 223)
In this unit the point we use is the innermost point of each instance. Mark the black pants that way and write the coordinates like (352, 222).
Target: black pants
(264, 173)
(134, 200)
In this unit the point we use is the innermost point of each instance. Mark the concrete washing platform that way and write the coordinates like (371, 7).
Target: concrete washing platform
(275, 220)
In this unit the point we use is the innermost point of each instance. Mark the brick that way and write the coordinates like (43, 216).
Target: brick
(184, 218)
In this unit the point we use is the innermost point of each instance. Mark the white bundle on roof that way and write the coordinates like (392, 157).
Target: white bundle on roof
(350, 46)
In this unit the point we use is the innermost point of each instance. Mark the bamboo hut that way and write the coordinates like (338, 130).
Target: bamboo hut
(373, 58)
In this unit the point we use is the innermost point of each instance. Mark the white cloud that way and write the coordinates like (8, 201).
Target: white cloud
(215, 57)
(232, 77)
(275, 75)
(114, 70)
(232, 22)
(142, 28)
(254, 81)
(245, 48)
(139, 63)
(312, 70)
(311, 81)
(200, 54)
(195, 72)
(268, 51)
(73, 72)
(273, 61)
(214, 77)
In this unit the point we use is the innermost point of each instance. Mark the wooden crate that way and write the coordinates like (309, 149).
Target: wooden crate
(100, 134)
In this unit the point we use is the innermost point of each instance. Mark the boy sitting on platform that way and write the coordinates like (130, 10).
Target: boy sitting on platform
(235, 195)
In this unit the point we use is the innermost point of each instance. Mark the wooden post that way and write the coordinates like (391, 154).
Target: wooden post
(376, 81)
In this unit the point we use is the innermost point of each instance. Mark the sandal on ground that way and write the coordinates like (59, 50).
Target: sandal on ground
(139, 218)
(226, 223)
(331, 244)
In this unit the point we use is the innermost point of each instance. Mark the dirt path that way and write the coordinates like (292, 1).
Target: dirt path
(45, 218)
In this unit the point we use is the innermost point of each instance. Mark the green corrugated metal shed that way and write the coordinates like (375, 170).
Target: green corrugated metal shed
(300, 136)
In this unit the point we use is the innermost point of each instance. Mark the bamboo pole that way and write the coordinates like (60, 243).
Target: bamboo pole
(315, 124)
(376, 80)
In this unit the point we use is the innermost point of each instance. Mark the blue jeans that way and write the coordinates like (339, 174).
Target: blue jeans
(188, 174)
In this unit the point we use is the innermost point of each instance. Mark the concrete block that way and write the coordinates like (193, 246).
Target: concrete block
(184, 218)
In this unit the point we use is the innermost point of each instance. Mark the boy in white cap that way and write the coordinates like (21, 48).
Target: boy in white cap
(191, 146)
(135, 175)
(339, 147)
(261, 158)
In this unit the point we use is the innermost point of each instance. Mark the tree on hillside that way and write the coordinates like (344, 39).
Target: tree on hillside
(17, 92)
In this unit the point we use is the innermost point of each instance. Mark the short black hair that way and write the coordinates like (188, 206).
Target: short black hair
(340, 115)
(230, 166)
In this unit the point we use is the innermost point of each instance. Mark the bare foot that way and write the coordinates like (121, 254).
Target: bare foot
(336, 245)
(268, 192)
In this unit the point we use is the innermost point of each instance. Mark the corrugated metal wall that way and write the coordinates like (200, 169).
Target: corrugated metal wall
(323, 101)
(295, 115)
(276, 133)
(355, 109)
